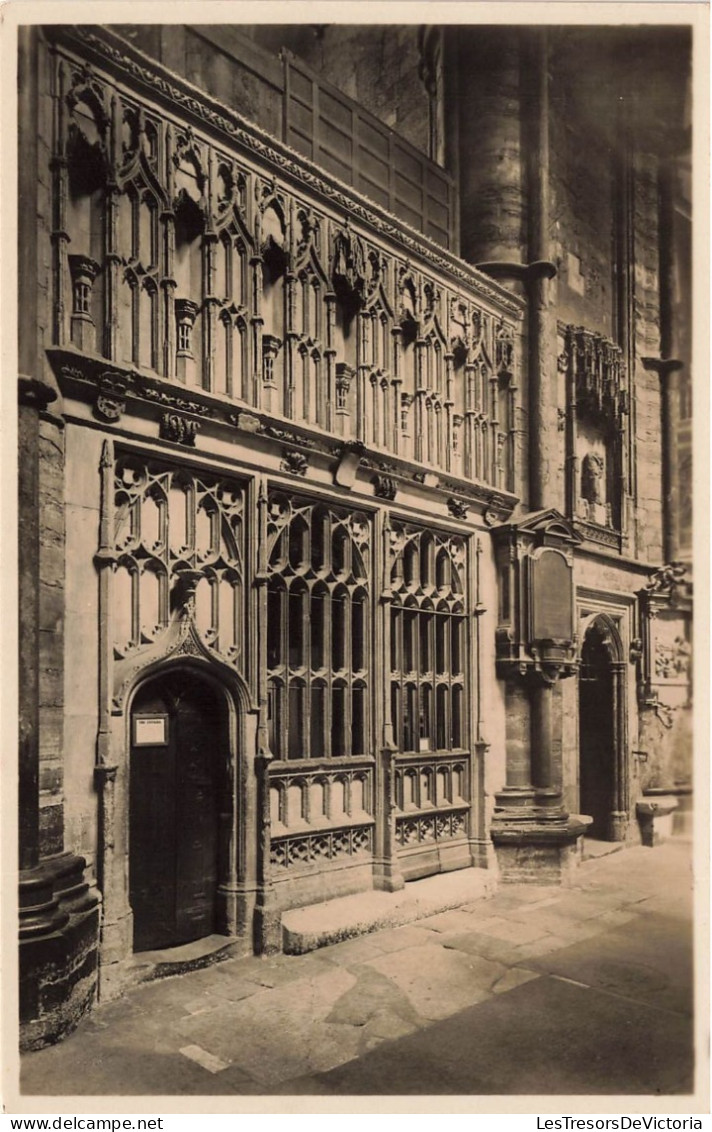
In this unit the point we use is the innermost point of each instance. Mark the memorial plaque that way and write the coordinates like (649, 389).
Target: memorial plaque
(551, 597)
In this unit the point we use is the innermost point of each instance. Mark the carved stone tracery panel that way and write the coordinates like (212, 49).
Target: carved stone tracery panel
(178, 549)
(206, 270)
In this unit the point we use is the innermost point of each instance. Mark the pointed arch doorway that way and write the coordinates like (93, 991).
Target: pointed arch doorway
(177, 793)
(603, 768)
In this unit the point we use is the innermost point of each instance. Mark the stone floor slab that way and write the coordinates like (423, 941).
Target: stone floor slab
(459, 921)
(437, 981)
(414, 1010)
(653, 966)
(486, 946)
(513, 931)
(288, 1031)
(544, 1038)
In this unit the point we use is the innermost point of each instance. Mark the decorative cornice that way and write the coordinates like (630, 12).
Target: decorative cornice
(131, 65)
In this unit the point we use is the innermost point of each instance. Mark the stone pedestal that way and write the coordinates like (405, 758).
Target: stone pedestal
(539, 851)
(59, 923)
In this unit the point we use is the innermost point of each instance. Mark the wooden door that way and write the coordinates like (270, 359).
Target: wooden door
(177, 738)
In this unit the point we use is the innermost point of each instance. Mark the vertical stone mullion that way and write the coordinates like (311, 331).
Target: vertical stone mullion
(112, 262)
(328, 651)
(168, 286)
(209, 311)
(348, 667)
(361, 371)
(494, 427)
(330, 362)
(256, 323)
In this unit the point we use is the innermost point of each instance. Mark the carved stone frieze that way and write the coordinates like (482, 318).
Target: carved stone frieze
(667, 580)
(593, 532)
(178, 429)
(294, 462)
(386, 487)
(458, 508)
(248, 422)
(108, 407)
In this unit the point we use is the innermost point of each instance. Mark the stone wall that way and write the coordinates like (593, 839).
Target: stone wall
(240, 65)
(51, 635)
(582, 218)
(376, 66)
(492, 185)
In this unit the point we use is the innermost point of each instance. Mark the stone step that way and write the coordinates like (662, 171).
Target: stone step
(318, 925)
(145, 966)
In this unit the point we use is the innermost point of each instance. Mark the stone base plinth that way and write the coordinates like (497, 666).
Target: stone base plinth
(59, 937)
(538, 851)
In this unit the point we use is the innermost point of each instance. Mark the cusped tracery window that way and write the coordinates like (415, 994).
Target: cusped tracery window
(428, 676)
(170, 524)
(318, 630)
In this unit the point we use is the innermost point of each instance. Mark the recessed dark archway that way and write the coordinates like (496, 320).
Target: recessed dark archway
(596, 731)
(603, 743)
(178, 790)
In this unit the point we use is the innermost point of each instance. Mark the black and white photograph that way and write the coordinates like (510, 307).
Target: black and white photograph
(353, 506)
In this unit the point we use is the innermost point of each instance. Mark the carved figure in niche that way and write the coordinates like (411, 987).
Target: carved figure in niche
(592, 472)
(349, 261)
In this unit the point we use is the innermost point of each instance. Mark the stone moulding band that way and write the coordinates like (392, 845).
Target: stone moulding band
(90, 378)
(136, 68)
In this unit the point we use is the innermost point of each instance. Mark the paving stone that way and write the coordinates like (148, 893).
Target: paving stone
(582, 905)
(616, 918)
(232, 988)
(514, 931)
(512, 897)
(544, 946)
(545, 1037)
(654, 966)
(448, 922)
(487, 946)
(668, 904)
(372, 995)
(515, 977)
(385, 1026)
(567, 929)
(285, 969)
(280, 1033)
(201, 1005)
(354, 951)
(438, 982)
(400, 938)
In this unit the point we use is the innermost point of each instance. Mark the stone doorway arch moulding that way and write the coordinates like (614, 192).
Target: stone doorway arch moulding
(242, 884)
(612, 616)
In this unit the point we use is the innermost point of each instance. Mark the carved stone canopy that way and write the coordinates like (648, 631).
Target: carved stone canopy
(546, 527)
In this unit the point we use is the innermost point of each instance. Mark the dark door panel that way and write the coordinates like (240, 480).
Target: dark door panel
(174, 815)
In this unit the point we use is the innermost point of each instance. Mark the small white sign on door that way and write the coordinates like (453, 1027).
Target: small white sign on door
(150, 730)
